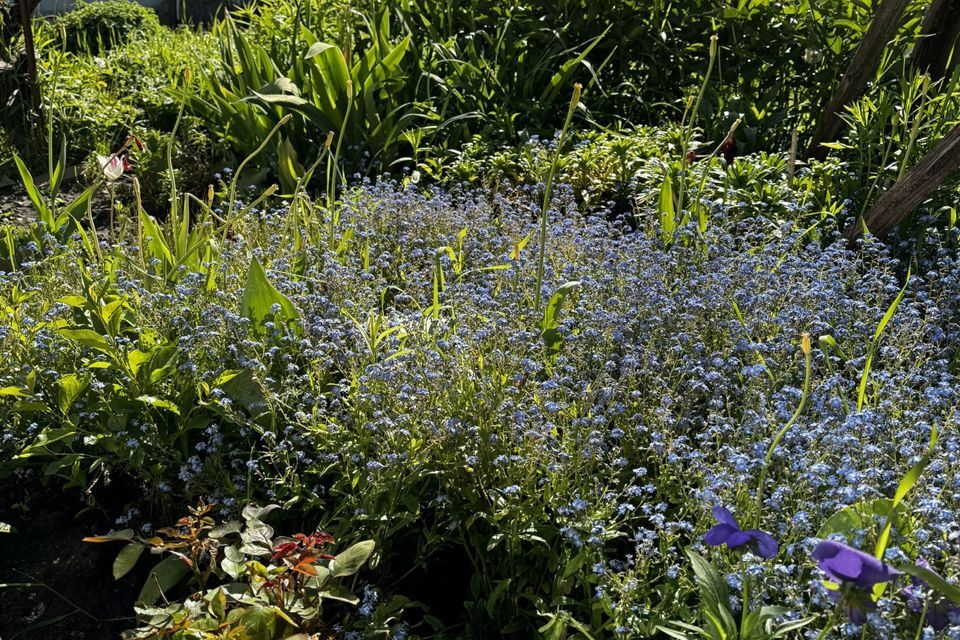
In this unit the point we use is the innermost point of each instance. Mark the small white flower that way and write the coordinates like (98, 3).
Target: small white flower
(112, 167)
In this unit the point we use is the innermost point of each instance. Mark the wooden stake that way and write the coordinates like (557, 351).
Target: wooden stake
(934, 53)
(33, 82)
(858, 73)
(916, 186)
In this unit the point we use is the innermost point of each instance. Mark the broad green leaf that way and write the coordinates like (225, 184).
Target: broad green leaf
(165, 576)
(553, 313)
(350, 561)
(88, 338)
(339, 592)
(70, 388)
(46, 438)
(160, 403)
(260, 622)
(155, 245)
(906, 484)
(126, 559)
(15, 391)
(259, 296)
(46, 216)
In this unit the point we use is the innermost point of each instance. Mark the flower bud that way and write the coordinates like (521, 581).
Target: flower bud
(577, 91)
(805, 343)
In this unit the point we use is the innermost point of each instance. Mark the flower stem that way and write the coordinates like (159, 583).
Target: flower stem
(547, 192)
(923, 618)
(830, 624)
(805, 347)
(746, 606)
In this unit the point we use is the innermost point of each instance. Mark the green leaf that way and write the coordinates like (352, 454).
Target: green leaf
(350, 561)
(934, 580)
(793, 625)
(60, 169)
(126, 559)
(259, 296)
(858, 516)
(668, 216)
(553, 313)
(906, 484)
(70, 388)
(160, 403)
(15, 391)
(341, 593)
(154, 243)
(168, 573)
(87, 338)
(260, 622)
(46, 216)
(864, 377)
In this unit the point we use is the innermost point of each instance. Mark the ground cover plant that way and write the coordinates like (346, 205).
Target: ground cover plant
(330, 334)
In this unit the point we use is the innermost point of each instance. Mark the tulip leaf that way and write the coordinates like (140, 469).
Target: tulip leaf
(46, 216)
(668, 216)
(906, 484)
(874, 344)
(933, 580)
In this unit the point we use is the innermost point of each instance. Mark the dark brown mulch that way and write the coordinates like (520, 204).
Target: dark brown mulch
(73, 594)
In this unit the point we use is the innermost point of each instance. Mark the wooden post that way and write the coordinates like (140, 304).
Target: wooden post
(913, 188)
(938, 38)
(858, 73)
(33, 81)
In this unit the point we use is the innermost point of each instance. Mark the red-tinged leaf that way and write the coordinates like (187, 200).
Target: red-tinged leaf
(283, 550)
(126, 535)
(305, 566)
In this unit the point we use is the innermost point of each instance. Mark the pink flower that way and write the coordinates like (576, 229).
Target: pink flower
(112, 166)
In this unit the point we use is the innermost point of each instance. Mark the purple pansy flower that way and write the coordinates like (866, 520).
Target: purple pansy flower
(856, 570)
(728, 532)
(847, 565)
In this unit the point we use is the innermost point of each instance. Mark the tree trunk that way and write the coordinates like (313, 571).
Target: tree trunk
(939, 32)
(858, 73)
(916, 186)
